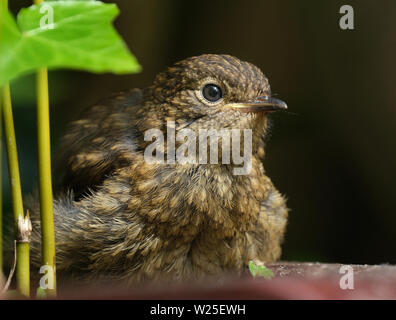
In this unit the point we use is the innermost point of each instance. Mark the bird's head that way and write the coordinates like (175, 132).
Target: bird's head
(215, 92)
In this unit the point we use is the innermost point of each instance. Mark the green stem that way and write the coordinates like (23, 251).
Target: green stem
(22, 268)
(23, 265)
(45, 181)
(22, 248)
(45, 184)
(12, 155)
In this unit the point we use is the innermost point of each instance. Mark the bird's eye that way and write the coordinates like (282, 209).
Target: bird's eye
(212, 92)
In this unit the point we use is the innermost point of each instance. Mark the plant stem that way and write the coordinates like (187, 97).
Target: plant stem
(22, 269)
(45, 180)
(23, 282)
(22, 248)
(44, 160)
(12, 155)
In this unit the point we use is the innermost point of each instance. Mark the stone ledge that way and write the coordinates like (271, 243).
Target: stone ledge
(293, 280)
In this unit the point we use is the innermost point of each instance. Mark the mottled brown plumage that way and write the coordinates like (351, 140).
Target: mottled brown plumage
(118, 217)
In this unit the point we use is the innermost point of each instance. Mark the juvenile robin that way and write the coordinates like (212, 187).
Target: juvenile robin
(119, 216)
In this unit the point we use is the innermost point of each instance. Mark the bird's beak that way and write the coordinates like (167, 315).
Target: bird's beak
(261, 104)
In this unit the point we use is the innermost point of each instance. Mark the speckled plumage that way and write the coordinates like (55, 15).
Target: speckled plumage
(118, 217)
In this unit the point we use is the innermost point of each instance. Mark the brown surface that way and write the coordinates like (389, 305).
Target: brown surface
(291, 281)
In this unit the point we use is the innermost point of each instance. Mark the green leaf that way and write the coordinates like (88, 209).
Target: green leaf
(260, 271)
(81, 37)
(41, 294)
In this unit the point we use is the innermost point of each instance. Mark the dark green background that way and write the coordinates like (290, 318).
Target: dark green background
(332, 155)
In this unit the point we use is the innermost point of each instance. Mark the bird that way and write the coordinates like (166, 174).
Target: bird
(119, 217)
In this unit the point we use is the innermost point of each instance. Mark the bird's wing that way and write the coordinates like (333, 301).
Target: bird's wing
(93, 146)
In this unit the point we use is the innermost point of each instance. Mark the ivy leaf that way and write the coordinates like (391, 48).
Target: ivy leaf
(260, 271)
(80, 36)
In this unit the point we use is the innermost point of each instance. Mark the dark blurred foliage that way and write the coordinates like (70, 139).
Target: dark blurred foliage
(332, 155)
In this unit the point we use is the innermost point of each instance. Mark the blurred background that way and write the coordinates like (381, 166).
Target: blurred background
(333, 155)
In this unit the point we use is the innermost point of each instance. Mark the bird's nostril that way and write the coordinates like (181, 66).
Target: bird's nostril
(263, 98)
